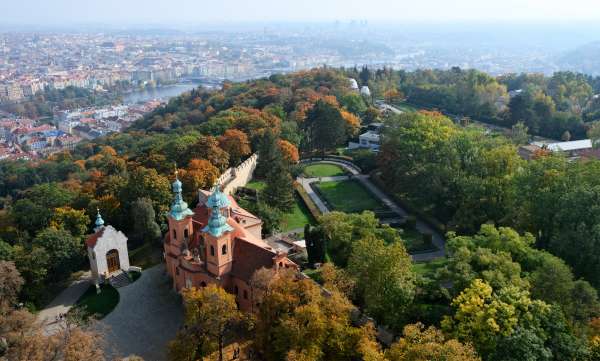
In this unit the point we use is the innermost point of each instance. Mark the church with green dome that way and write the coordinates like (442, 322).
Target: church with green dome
(217, 242)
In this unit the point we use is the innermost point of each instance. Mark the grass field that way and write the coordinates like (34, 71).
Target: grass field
(348, 196)
(406, 107)
(256, 185)
(323, 170)
(98, 305)
(297, 218)
(428, 269)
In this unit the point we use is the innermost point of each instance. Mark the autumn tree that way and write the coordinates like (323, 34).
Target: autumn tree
(200, 174)
(208, 148)
(419, 343)
(73, 220)
(288, 151)
(296, 321)
(236, 144)
(211, 315)
(10, 284)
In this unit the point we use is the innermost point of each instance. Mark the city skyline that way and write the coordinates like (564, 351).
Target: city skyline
(189, 12)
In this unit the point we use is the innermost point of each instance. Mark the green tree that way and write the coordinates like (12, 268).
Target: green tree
(279, 190)
(65, 252)
(325, 127)
(385, 281)
(340, 231)
(518, 134)
(147, 183)
(145, 228)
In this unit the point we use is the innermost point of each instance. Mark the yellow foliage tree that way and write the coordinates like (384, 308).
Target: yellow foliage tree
(423, 344)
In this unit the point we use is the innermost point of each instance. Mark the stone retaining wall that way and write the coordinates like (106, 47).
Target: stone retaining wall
(239, 176)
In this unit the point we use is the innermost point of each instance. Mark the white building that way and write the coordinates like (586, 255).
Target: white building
(107, 252)
(371, 139)
(365, 91)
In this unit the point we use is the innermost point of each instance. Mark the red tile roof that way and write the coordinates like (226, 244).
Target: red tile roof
(91, 240)
(248, 258)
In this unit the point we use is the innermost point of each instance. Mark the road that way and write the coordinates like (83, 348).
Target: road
(438, 240)
(49, 316)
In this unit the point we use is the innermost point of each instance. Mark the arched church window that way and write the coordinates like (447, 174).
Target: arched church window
(212, 250)
(236, 290)
(203, 284)
(224, 249)
(186, 233)
(174, 234)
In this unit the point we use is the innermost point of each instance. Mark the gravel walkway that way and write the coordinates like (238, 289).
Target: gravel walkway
(48, 317)
(147, 317)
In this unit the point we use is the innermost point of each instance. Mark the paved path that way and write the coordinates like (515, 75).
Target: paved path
(438, 239)
(62, 304)
(147, 317)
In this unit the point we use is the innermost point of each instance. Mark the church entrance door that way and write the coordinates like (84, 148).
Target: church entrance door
(112, 259)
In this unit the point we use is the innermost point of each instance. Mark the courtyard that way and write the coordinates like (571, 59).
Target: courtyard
(147, 317)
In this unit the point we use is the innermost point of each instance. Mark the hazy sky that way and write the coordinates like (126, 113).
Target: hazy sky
(199, 11)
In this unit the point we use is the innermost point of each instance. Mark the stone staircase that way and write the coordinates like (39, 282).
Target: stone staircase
(119, 280)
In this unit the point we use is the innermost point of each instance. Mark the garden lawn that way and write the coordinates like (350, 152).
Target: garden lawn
(428, 269)
(348, 196)
(323, 170)
(405, 107)
(256, 185)
(98, 305)
(298, 217)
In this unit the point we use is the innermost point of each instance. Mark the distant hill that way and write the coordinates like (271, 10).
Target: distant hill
(585, 59)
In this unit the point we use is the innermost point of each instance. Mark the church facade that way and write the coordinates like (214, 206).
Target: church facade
(218, 242)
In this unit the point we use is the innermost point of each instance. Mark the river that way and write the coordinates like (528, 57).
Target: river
(162, 93)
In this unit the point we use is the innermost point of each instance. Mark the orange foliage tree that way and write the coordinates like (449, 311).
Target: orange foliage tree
(236, 143)
(200, 174)
(289, 151)
(352, 122)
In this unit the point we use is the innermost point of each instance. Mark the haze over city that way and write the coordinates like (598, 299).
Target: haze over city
(63, 12)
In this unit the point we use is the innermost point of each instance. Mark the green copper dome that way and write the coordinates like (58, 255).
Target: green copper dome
(218, 199)
(99, 221)
(179, 208)
(217, 223)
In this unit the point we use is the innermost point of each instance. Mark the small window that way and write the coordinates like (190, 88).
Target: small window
(212, 250)
(236, 290)
(174, 234)
(203, 284)
(186, 233)
(245, 294)
(224, 249)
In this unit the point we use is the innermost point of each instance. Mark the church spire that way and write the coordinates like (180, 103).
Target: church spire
(179, 208)
(99, 221)
(217, 223)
